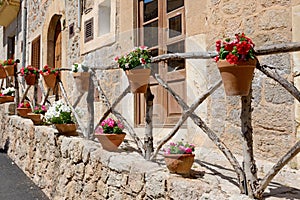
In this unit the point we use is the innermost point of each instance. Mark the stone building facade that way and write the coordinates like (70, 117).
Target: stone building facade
(275, 112)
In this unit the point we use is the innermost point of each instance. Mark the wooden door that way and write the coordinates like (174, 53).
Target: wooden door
(57, 54)
(162, 29)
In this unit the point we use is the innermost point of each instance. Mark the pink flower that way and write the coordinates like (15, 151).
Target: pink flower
(172, 144)
(142, 60)
(188, 150)
(143, 47)
(117, 58)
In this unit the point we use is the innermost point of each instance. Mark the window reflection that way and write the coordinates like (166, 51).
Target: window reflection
(151, 34)
(174, 4)
(174, 65)
(150, 9)
(175, 28)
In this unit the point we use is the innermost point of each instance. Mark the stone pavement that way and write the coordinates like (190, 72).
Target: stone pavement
(14, 184)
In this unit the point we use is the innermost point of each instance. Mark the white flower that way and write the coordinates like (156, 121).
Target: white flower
(8, 90)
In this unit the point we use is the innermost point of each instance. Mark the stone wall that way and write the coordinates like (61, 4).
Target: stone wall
(76, 168)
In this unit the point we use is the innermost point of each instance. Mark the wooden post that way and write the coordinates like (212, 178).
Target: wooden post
(148, 140)
(90, 104)
(17, 95)
(250, 169)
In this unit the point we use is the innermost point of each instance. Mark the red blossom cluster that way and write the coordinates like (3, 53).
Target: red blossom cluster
(47, 70)
(9, 62)
(29, 71)
(233, 51)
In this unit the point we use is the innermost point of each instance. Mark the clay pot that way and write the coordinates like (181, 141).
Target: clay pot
(82, 81)
(23, 111)
(67, 129)
(2, 73)
(110, 142)
(237, 78)
(4, 99)
(179, 163)
(138, 80)
(50, 80)
(10, 70)
(35, 118)
(30, 79)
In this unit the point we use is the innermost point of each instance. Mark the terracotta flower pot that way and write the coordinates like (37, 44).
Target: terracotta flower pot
(10, 70)
(110, 142)
(138, 80)
(30, 79)
(35, 118)
(2, 72)
(237, 78)
(4, 99)
(67, 129)
(82, 81)
(50, 80)
(23, 111)
(179, 163)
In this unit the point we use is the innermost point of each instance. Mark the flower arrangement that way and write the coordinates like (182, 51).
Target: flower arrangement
(76, 67)
(180, 148)
(29, 70)
(59, 113)
(139, 56)
(8, 91)
(24, 104)
(40, 109)
(110, 126)
(240, 49)
(47, 71)
(8, 62)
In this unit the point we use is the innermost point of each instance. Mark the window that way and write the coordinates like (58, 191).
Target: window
(11, 47)
(89, 30)
(104, 18)
(162, 29)
(71, 30)
(35, 52)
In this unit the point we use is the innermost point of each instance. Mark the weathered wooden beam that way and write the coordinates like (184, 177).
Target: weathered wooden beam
(148, 140)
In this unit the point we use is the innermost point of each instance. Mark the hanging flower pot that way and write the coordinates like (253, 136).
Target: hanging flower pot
(50, 80)
(236, 62)
(237, 78)
(82, 80)
(110, 142)
(4, 99)
(35, 118)
(23, 111)
(2, 72)
(138, 80)
(10, 70)
(30, 79)
(136, 64)
(67, 129)
(49, 75)
(179, 163)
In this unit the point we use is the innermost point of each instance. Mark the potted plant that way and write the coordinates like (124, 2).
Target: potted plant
(236, 63)
(49, 75)
(30, 74)
(61, 116)
(9, 66)
(136, 65)
(110, 134)
(24, 108)
(81, 77)
(37, 114)
(2, 72)
(179, 157)
(7, 95)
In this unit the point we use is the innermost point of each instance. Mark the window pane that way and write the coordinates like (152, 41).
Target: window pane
(151, 34)
(154, 66)
(174, 65)
(104, 18)
(150, 9)
(175, 28)
(174, 4)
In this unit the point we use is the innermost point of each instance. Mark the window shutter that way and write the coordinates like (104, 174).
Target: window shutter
(89, 30)
(35, 52)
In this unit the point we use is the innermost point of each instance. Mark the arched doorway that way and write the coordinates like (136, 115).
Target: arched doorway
(54, 43)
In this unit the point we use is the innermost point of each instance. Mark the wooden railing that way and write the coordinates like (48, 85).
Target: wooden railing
(247, 175)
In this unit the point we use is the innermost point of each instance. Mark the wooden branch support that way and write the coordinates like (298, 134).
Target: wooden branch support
(148, 140)
(46, 96)
(214, 138)
(276, 168)
(91, 110)
(17, 92)
(81, 126)
(250, 169)
(184, 116)
(25, 93)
